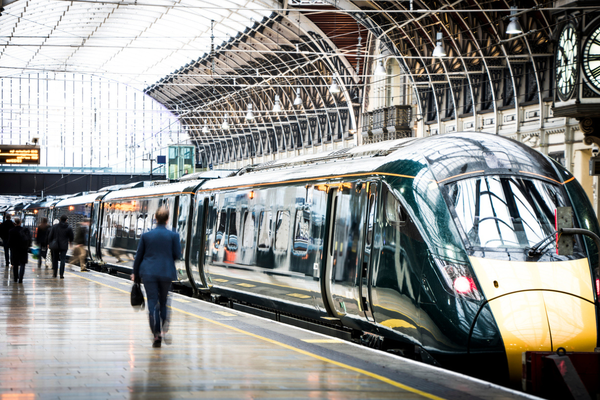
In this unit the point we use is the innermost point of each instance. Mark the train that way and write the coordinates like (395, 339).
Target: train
(427, 247)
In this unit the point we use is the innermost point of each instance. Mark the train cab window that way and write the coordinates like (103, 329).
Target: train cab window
(282, 230)
(264, 230)
(394, 212)
(371, 221)
(232, 231)
(221, 219)
(248, 229)
(302, 231)
(140, 226)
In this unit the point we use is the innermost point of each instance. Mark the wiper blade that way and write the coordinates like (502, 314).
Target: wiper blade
(538, 248)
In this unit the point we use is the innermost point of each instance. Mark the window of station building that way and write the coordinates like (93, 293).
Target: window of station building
(248, 229)
(264, 230)
(221, 219)
(302, 231)
(282, 230)
(558, 156)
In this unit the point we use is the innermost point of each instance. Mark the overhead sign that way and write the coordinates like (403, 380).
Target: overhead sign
(19, 154)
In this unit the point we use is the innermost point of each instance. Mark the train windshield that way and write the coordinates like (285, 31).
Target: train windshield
(505, 212)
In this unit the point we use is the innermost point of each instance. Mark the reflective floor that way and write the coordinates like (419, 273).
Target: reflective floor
(78, 338)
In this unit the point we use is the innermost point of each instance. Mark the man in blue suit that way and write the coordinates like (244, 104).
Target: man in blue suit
(155, 265)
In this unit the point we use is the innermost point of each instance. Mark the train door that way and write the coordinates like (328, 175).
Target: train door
(368, 228)
(198, 243)
(342, 252)
(94, 231)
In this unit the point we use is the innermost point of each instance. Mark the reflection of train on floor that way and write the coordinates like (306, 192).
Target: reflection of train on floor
(423, 245)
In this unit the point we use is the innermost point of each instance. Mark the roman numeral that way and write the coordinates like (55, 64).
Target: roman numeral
(596, 72)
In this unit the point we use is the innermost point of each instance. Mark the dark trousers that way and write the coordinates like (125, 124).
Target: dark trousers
(19, 271)
(42, 254)
(56, 255)
(157, 291)
(6, 253)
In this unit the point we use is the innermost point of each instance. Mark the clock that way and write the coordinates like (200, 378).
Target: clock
(566, 62)
(591, 59)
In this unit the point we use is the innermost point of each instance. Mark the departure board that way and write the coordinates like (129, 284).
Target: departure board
(19, 154)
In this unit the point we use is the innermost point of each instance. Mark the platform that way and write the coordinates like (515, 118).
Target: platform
(78, 338)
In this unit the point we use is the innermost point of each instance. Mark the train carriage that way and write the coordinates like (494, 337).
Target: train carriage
(424, 242)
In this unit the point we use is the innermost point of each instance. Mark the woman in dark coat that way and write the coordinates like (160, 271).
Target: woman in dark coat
(41, 240)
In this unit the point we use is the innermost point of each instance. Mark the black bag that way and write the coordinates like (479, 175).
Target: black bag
(53, 244)
(137, 297)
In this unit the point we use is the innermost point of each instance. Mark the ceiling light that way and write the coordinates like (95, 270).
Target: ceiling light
(380, 70)
(205, 128)
(298, 99)
(334, 88)
(225, 125)
(513, 27)
(249, 114)
(276, 106)
(439, 49)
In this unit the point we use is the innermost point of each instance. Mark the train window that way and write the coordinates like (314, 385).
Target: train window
(264, 230)
(394, 212)
(149, 222)
(232, 231)
(140, 226)
(302, 231)
(221, 219)
(132, 222)
(119, 225)
(371, 220)
(248, 230)
(282, 230)
(126, 225)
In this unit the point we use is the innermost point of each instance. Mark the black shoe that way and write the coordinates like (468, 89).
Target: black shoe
(54, 275)
(20, 280)
(156, 343)
(62, 277)
(16, 280)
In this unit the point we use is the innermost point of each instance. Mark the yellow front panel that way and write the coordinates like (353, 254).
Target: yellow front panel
(521, 318)
(511, 276)
(572, 322)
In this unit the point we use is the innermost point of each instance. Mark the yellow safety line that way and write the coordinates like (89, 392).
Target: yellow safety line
(304, 352)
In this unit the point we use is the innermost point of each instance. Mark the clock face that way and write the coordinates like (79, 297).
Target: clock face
(566, 62)
(591, 59)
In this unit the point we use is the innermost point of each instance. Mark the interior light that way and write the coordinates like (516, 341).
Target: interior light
(463, 285)
(380, 70)
(439, 48)
(249, 114)
(298, 99)
(251, 195)
(513, 27)
(71, 208)
(277, 105)
(35, 211)
(334, 88)
(598, 288)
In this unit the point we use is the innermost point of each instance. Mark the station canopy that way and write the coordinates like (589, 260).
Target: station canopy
(133, 42)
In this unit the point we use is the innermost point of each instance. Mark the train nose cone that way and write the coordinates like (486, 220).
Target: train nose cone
(543, 321)
(539, 306)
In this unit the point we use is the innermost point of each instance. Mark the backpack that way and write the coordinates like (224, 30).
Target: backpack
(25, 238)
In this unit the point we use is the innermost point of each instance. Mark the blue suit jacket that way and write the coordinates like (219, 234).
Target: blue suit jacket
(156, 254)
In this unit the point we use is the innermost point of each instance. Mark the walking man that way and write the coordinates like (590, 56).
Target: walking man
(5, 227)
(80, 251)
(19, 240)
(59, 238)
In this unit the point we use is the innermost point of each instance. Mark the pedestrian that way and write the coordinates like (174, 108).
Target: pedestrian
(154, 265)
(5, 227)
(19, 240)
(63, 235)
(80, 252)
(41, 239)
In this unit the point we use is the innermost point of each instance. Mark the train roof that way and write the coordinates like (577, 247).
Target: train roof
(80, 199)
(213, 174)
(447, 156)
(174, 188)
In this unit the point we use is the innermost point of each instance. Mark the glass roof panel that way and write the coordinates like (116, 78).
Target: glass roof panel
(137, 44)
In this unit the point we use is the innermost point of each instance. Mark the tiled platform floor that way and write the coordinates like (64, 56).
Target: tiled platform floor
(78, 338)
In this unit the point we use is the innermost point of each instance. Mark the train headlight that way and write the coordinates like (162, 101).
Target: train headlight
(458, 279)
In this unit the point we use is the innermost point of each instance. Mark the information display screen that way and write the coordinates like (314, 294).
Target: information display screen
(19, 154)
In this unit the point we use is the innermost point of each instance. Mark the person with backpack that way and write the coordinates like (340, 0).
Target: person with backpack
(41, 240)
(59, 238)
(5, 227)
(19, 241)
